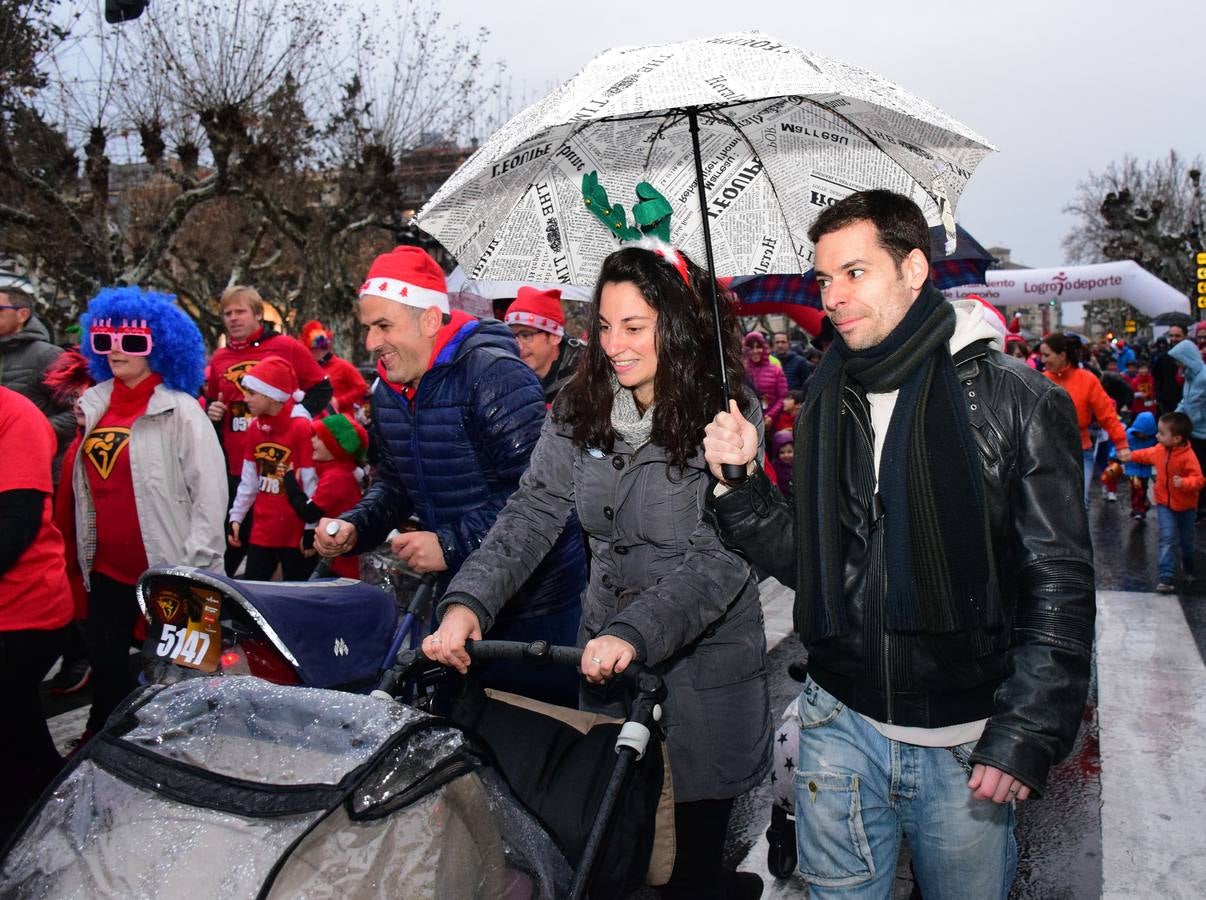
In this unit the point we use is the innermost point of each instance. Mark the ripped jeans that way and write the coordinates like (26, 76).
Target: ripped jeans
(857, 791)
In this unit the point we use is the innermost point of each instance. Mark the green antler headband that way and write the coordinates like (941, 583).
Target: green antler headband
(650, 214)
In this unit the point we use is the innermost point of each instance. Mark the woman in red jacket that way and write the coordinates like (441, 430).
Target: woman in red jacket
(1061, 361)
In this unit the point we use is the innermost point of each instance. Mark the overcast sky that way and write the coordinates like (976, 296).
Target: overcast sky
(1060, 87)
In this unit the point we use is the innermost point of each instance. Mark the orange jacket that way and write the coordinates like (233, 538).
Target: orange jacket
(1170, 463)
(1091, 402)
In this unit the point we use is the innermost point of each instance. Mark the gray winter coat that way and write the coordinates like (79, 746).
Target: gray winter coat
(661, 579)
(24, 357)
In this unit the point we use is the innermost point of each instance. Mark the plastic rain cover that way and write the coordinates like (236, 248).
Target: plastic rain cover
(172, 804)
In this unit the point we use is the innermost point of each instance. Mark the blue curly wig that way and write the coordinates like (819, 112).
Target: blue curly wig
(177, 348)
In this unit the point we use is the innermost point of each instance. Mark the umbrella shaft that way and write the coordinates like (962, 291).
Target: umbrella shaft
(693, 121)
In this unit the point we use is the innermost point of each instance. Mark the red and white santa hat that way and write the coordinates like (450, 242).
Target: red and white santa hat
(407, 275)
(273, 377)
(537, 309)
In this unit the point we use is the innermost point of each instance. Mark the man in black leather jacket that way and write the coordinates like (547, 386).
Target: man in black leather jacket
(941, 561)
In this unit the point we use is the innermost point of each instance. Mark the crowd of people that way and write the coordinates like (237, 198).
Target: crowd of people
(907, 475)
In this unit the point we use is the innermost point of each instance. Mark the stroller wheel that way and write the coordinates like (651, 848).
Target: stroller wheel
(781, 837)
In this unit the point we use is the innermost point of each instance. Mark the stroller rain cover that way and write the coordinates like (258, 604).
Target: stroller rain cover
(237, 788)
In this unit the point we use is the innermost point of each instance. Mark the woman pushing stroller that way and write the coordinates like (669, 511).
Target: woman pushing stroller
(622, 447)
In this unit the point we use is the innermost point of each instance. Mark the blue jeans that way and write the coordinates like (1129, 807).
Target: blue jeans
(856, 791)
(1176, 532)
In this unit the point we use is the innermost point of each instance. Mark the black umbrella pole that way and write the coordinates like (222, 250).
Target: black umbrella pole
(733, 474)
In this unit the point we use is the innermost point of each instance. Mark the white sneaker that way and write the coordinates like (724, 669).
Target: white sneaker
(1111, 497)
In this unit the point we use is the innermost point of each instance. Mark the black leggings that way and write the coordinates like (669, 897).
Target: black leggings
(262, 562)
(234, 555)
(28, 759)
(699, 831)
(112, 609)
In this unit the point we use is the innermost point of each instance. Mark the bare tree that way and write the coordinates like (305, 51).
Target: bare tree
(1150, 212)
(273, 145)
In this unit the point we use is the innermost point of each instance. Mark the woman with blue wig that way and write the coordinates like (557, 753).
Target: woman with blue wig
(149, 482)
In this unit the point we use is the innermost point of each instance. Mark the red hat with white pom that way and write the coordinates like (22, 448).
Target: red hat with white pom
(407, 275)
(537, 309)
(274, 378)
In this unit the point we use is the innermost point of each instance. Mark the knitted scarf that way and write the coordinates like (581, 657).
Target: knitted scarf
(937, 552)
(635, 429)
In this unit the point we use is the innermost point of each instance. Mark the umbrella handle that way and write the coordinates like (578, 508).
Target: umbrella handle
(733, 474)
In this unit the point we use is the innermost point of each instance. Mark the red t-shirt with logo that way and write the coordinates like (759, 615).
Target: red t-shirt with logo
(224, 381)
(277, 444)
(105, 455)
(34, 593)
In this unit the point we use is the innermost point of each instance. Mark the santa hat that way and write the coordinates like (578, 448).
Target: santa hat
(992, 315)
(345, 438)
(537, 309)
(315, 334)
(407, 275)
(274, 378)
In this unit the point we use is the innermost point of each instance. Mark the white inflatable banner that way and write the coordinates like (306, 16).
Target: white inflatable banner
(1124, 280)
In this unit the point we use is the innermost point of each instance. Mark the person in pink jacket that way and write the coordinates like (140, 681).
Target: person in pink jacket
(765, 374)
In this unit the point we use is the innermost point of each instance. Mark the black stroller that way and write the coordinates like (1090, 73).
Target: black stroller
(235, 787)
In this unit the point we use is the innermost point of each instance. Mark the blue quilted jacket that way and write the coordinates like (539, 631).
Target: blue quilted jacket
(456, 455)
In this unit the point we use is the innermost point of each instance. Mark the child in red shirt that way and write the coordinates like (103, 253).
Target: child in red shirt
(339, 444)
(279, 442)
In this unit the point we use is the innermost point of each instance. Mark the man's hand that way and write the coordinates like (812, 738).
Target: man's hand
(730, 438)
(447, 645)
(992, 784)
(233, 537)
(1124, 455)
(420, 550)
(329, 545)
(605, 657)
(215, 410)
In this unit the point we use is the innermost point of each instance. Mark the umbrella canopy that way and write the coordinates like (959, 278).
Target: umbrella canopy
(782, 133)
(965, 265)
(1173, 318)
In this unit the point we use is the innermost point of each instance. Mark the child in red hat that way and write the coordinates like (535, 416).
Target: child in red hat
(279, 443)
(339, 444)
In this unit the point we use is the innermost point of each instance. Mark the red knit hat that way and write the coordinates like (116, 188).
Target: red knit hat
(343, 436)
(407, 275)
(537, 309)
(273, 377)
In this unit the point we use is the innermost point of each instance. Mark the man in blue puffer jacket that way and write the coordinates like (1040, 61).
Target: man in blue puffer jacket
(457, 413)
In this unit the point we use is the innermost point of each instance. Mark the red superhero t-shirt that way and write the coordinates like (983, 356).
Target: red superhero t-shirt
(105, 455)
(227, 367)
(277, 444)
(34, 593)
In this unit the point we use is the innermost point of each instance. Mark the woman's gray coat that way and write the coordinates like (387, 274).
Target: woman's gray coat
(661, 579)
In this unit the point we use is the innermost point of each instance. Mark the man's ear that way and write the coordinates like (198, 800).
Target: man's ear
(23, 315)
(916, 269)
(431, 321)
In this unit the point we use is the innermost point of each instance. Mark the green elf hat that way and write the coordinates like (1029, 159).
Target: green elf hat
(345, 438)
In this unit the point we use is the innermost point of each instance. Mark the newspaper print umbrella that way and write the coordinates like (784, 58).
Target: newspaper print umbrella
(781, 133)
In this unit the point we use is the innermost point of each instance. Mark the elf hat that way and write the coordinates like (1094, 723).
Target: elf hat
(345, 438)
(537, 309)
(407, 275)
(274, 378)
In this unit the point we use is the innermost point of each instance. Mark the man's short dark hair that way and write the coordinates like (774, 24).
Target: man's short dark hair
(900, 222)
(1179, 424)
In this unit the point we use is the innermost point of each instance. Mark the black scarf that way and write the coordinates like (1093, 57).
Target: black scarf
(936, 536)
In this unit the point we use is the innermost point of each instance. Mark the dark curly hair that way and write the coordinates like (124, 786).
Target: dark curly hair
(686, 387)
